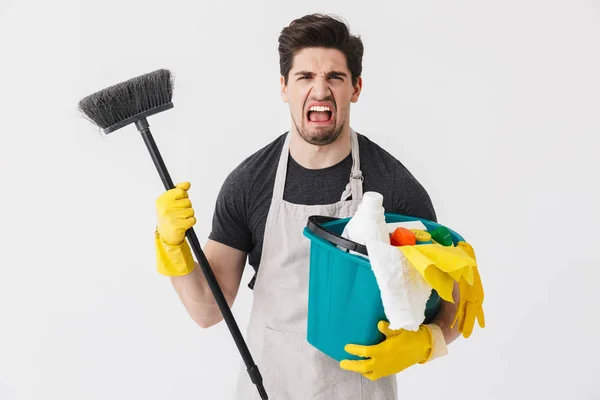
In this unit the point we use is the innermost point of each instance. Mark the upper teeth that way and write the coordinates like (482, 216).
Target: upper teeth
(319, 108)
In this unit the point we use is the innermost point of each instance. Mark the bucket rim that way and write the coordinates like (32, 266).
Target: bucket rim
(314, 225)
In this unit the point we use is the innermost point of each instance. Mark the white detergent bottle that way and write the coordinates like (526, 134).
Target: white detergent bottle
(368, 222)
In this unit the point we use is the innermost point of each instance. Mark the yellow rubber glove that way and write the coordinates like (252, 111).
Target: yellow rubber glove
(400, 350)
(440, 266)
(175, 216)
(471, 299)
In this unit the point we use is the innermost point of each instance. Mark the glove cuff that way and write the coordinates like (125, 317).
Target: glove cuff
(173, 260)
(439, 347)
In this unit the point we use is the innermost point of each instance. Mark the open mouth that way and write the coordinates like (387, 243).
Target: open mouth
(320, 114)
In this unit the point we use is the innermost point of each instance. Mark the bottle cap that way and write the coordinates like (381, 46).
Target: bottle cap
(372, 200)
(421, 236)
(403, 237)
(442, 235)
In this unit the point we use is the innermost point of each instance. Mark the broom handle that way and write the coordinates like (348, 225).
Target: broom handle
(256, 378)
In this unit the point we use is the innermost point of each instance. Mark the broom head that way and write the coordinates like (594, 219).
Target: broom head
(127, 102)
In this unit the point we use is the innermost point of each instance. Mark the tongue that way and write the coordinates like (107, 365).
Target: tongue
(318, 116)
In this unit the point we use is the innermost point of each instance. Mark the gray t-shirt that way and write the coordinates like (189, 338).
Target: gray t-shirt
(245, 197)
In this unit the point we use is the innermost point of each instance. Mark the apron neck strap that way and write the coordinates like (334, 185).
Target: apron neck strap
(355, 185)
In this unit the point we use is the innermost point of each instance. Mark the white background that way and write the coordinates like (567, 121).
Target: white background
(494, 106)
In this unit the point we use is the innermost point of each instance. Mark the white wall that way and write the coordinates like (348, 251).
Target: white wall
(494, 106)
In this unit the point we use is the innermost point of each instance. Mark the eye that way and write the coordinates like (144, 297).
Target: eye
(336, 77)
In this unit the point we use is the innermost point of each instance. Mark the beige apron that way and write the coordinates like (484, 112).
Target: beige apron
(292, 369)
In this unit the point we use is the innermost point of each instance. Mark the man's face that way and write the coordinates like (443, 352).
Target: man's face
(319, 92)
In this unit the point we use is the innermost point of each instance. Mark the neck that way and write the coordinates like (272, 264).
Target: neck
(311, 156)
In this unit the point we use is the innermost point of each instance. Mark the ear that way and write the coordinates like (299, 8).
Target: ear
(357, 89)
(284, 96)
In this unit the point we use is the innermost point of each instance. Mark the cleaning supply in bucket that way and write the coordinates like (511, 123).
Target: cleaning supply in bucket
(422, 236)
(368, 223)
(404, 292)
(442, 236)
(441, 266)
(403, 237)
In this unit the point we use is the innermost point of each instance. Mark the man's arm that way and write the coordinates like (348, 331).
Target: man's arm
(227, 264)
(446, 314)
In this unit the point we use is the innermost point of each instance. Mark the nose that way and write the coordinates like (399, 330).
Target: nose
(320, 88)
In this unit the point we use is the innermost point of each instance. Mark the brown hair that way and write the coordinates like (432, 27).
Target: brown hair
(319, 30)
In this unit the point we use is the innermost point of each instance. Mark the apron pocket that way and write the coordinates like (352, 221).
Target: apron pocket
(293, 369)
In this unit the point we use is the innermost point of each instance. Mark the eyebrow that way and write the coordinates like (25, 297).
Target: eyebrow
(331, 73)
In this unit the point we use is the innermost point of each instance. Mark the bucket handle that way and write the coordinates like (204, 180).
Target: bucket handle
(314, 224)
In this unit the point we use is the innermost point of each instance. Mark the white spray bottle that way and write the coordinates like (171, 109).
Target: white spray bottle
(368, 222)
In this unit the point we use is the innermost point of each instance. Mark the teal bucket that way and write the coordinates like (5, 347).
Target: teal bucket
(344, 301)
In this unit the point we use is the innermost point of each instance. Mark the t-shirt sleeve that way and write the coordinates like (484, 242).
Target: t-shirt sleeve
(415, 201)
(229, 224)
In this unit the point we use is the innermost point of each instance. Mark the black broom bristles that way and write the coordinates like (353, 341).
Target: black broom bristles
(124, 103)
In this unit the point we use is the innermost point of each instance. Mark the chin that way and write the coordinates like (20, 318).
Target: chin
(320, 136)
(320, 139)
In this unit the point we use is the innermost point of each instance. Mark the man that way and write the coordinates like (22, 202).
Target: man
(321, 166)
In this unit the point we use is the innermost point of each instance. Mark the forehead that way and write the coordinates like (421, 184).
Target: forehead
(319, 59)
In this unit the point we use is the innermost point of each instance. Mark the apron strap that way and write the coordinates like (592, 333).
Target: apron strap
(355, 185)
(282, 168)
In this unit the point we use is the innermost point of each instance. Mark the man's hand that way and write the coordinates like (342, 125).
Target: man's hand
(400, 350)
(175, 216)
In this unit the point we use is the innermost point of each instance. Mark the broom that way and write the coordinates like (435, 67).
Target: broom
(131, 102)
